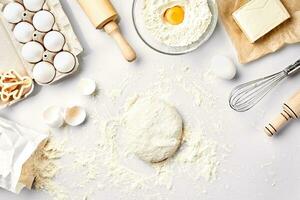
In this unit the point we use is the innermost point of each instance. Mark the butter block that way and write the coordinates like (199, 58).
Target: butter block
(258, 17)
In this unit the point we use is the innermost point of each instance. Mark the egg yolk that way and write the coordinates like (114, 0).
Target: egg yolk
(174, 15)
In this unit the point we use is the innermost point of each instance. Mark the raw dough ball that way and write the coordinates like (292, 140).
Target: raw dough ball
(43, 72)
(33, 5)
(64, 62)
(54, 41)
(23, 32)
(13, 12)
(32, 52)
(154, 129)
(223, 67)
(43, 21)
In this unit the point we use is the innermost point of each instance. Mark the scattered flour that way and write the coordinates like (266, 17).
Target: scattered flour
(196, 21)
(46, 168)
(108, 164)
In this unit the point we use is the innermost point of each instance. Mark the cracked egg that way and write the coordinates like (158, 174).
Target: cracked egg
(174, 15)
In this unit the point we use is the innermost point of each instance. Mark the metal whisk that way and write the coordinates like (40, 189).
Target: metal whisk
(247, 95)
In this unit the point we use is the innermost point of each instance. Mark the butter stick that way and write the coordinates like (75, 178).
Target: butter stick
(258, 17)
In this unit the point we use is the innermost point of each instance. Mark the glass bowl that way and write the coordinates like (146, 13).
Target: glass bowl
(156, 45)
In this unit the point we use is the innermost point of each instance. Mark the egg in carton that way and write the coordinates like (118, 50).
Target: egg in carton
(46, 40)
(15, 82)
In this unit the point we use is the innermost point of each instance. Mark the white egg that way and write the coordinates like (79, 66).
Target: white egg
(87, 86)
(33, 5)
(223, 67)
(75, 115)
(54, 116)
(32, 52)
(64, 62)
(54, 41)
(43, 72)
(13, 12)
(43, 21)
(23, 32)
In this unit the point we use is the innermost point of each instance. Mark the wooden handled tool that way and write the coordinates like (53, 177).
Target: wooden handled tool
(291, 110)
(104, 16)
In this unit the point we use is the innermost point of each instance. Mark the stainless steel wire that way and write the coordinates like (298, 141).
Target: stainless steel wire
(247, 95)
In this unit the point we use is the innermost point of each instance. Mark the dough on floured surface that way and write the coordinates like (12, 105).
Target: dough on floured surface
(154, 129)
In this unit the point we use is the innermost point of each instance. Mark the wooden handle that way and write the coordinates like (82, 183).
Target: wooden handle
(277, 124)
(100, 12)
(291, 110)
(113, 30)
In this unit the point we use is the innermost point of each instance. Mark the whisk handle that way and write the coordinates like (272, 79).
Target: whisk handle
(292, 69)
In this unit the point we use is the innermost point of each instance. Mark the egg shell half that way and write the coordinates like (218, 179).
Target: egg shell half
(75, 115)
(54, 116)
(87, 86)
(223, 67)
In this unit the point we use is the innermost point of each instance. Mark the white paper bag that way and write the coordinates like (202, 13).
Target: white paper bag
(17, 144)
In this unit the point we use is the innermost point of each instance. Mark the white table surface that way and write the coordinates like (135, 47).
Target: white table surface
(257, 168)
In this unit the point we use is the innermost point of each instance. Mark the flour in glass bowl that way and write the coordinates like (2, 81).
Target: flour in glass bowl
(197, 18)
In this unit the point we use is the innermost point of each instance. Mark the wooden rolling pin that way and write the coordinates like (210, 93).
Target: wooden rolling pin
(291, 110)
(104, 16)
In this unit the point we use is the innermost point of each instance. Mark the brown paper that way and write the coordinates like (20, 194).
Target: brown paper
(286, 33)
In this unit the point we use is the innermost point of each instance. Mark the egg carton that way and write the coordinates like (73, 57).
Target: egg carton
(51, 52)
(11, 58)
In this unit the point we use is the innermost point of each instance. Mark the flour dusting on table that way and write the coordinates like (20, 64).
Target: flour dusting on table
(107, 163)
(46, 167)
